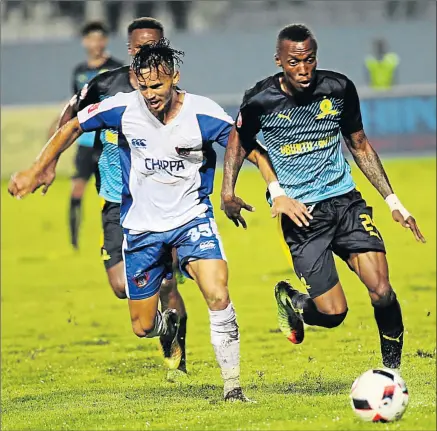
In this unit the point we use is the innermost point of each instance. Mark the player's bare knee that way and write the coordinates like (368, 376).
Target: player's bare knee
(141, 327)
(334, 320)
(381, 293)
(138, 329)
(119, 290)
(332, 308)
(217, 302)
(118, 286)
(383, 296)
(331, 302)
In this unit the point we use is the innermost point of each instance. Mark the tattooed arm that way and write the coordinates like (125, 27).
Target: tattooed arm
(234, 159)
(370, 164)
(232, 205)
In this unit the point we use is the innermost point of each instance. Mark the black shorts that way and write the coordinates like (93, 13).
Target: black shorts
(85, 162)
(111, 249)
(341, 225)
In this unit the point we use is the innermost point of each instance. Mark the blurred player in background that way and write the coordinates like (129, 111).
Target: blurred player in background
(95, 41)
(109, 180)
(165, 141)
(302, 112)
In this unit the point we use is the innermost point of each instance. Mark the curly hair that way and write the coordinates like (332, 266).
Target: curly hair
(157, 56)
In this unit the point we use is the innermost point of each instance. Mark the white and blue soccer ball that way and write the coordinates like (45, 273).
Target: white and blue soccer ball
(379, 395)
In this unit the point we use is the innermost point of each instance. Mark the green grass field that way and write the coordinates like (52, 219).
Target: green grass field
(71, 361)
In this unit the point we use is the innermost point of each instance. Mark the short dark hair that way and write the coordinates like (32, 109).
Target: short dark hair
(154, 55)
(94, 26)
(145, 22)
(296, 33)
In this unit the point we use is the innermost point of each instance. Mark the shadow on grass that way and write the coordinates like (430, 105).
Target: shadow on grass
(88, 396)
(420, 288)
(310, 384)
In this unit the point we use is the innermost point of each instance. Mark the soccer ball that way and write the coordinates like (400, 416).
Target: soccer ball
(379, 395)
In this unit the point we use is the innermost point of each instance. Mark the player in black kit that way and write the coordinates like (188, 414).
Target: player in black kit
(109, 181)
(94, 40)
(302, 112)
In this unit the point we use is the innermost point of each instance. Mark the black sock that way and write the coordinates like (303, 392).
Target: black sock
(391, 332)
(75, 219)
(311, 316)
(181, 339)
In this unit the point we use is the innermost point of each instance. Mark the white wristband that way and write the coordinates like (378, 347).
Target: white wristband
(275, 190)
(395, 204)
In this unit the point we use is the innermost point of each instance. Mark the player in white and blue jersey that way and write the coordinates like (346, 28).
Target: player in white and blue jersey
(302, 113)
(94, 40)
(109, 180)
(165, 139)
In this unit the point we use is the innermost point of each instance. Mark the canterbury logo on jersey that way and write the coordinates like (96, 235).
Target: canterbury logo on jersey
(167, 165)
(140, 143)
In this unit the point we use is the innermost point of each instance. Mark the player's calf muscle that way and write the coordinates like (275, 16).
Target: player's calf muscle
(167, 287)
(372, 269)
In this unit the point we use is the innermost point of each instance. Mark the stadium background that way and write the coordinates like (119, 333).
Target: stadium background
(229, 45)
(220, 39)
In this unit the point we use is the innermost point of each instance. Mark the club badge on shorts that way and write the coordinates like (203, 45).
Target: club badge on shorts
(141, 279)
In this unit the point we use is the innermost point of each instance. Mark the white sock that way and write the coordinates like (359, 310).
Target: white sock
(160, 327)
(225, 339)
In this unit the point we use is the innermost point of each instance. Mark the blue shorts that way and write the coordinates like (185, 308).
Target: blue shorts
(147, 256)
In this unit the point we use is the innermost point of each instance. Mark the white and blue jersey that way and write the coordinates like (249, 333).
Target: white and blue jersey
(167, 169)
(168, 174)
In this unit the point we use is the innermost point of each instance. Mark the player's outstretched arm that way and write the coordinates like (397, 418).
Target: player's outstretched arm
(234, 158)
(232, 205)
(370, 164)
(25, 182)
(68, 112)
(281, 203)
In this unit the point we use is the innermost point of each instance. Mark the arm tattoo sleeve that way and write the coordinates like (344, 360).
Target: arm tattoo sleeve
(369, 162)
(234, 158)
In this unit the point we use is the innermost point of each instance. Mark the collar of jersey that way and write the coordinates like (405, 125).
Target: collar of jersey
(295, 96)
(154, 119)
